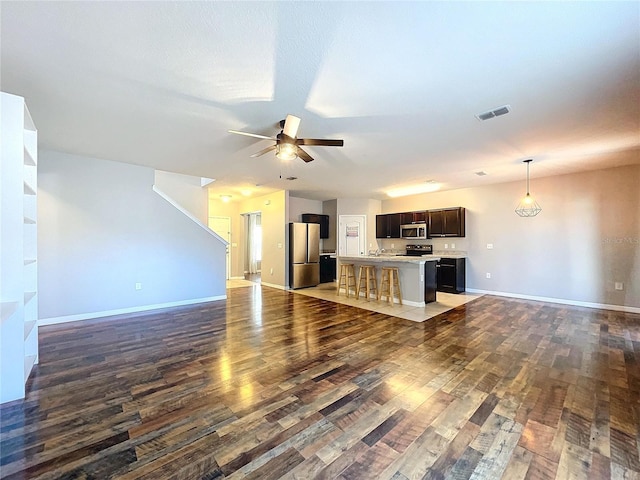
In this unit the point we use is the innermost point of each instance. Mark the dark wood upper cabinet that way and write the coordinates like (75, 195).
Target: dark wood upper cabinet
(323, 220)
(407, 218)
(447, 222)
(381, 226)
(388, 225)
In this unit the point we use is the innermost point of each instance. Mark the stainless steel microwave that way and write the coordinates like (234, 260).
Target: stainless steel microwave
(413, 231)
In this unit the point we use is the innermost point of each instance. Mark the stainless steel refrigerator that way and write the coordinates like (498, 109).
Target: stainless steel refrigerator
(304, 255)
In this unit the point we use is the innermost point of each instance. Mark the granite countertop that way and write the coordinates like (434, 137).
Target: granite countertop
(450, 254)
(390, 258)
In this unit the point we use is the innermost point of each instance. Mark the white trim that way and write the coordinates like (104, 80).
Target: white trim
(189, 215)
(564, 301)
(120, 311)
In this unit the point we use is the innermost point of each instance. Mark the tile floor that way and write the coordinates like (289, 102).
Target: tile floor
(327, 291)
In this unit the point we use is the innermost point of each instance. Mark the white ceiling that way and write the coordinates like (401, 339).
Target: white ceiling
(160, 83)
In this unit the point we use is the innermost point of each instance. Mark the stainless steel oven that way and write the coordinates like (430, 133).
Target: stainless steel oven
(419, 250)
(414, 231)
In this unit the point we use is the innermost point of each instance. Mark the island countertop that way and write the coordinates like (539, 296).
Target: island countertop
(411, 272)
(390, 258)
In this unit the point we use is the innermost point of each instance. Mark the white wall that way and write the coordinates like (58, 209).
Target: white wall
(330, 207)
(586, 238)
(186, 190)
(102, 229)
(298, 206)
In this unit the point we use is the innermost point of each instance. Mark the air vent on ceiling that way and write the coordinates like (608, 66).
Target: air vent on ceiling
(481, 173)
(494, 113)
(292, 178)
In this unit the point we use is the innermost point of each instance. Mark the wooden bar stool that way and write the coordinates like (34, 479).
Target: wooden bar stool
(347, 278)
(368, 274)
(390, 284)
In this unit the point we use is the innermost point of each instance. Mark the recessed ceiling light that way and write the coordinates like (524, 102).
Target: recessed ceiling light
(225, 198)
(429, 186)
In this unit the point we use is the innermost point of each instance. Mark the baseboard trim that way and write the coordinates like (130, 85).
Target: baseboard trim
(563, 301)
(121, 311)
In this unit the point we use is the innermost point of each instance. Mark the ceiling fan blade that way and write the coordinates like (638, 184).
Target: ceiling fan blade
(304, 155)
(262, 152)
(251, 134)
(320, 142)
(291, 125)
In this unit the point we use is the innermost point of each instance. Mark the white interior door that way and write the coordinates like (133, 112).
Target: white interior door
(352, 235)
(222, 226)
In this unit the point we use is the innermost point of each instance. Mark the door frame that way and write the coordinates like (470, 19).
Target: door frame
(363, 238)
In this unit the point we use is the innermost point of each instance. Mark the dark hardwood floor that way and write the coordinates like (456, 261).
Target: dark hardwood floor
(270, 384)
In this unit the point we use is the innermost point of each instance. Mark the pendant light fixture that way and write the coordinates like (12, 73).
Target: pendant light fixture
(528, 207)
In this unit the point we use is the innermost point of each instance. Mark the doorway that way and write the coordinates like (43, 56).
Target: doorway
(352, 235)
(253, 264)
(222, 226)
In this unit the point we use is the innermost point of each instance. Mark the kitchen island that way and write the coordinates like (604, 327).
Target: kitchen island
(417, 274)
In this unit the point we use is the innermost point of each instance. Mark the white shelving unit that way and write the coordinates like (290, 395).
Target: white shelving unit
(19, 247)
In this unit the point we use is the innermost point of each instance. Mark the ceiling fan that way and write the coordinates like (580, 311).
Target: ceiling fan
(287, 145)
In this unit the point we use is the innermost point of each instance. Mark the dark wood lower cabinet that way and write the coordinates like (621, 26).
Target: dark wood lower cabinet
(327, 269)
(451, 275)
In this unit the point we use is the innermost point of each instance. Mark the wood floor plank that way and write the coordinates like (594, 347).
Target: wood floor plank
(272, 384)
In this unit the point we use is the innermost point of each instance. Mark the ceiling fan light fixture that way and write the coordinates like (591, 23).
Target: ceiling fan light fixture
(286, 151)
(528, 207)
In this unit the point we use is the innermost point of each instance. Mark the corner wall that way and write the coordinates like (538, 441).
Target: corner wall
(102, 229)
(274, 211)
(185, 190)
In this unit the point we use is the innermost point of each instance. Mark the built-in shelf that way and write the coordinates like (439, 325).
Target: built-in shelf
(19, 246)
(28, 190)
(7, 309)
(28, 158)
(28, 296)
(29, 361)
(28, 327)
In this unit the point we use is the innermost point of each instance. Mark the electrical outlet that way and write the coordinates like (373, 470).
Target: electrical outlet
(488, 275)
(453, 245)
(393, 245)
(619, 286)
(138, 286)
(446, 246)
(271, 271)
(489, 246)
(279, 245)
